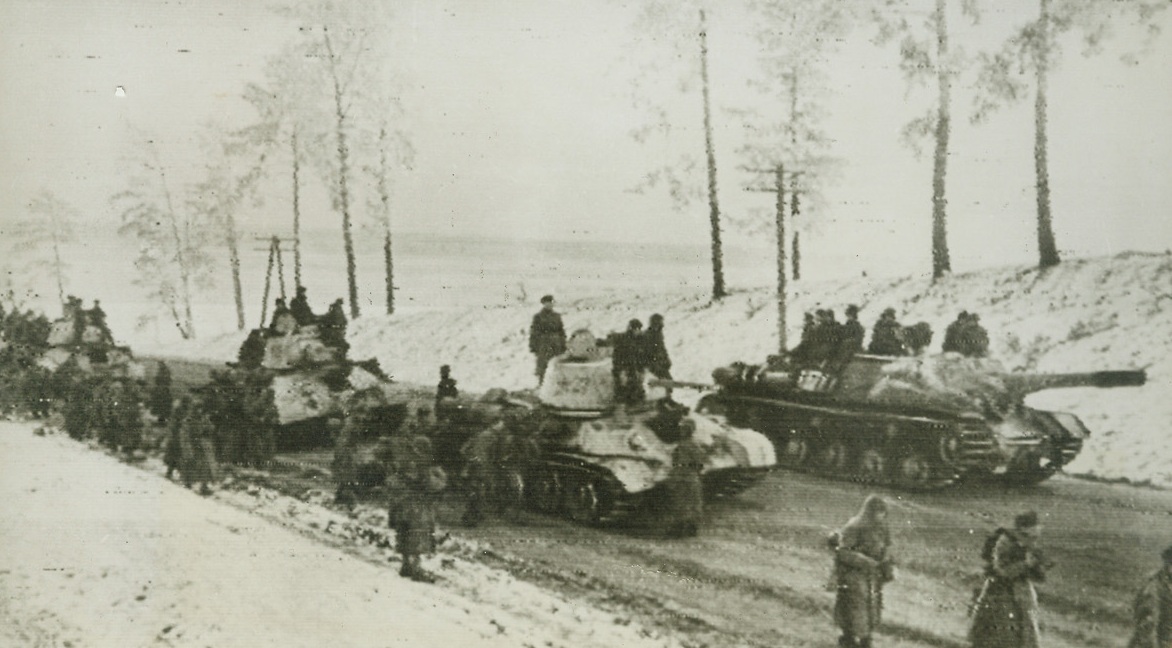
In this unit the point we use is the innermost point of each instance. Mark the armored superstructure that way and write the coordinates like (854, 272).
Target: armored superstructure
(916, 422)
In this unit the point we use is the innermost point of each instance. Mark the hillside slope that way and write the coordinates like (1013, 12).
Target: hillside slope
(1084, 315)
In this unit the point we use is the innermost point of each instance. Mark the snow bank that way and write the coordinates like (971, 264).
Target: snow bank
(1085, 314)
(99, 553)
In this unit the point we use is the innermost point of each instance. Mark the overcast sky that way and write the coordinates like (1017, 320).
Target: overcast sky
(517, 110)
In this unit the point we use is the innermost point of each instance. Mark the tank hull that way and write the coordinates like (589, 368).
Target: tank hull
(907, 447)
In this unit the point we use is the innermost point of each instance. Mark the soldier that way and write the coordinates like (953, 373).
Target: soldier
(547, 336)
(173, 449)
(684, 490)
(446, 387)
(862, 566)
(974, 339)
(886, 337)
(952, 334)
(917, 337)
(345, 465)
(332, 327)
(850, 340)
(1153, 609)
(1005, 613)
(412, 516)
(627, 364)
(283, 322)
(655, 349)
(161, 401)
(198, 449)
(300, 309)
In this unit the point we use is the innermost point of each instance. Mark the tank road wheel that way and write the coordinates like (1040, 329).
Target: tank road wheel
(832, 457)
(546, 491)
(585, 502)
(873, 466)
(794, 450)
(914, 471)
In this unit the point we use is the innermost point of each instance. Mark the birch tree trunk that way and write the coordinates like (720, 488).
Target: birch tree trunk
(718, 290)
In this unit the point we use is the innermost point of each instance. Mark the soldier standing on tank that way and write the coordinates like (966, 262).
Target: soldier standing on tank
(332, 328)
(547, 336)
(684, 490)
(886, 336)
(412, 516)
(1153, 609)
(655, 349)
(627, 364)
(446, 387)
(300, 309)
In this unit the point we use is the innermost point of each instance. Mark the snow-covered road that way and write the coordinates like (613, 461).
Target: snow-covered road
(94, 552)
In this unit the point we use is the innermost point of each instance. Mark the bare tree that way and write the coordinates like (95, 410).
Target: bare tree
(795, 39)
(393, 150)
(230, 179)
(683, 27)
(37, 238)
(173, 259)
(1033, 48)
(925, 53)
(337, 49)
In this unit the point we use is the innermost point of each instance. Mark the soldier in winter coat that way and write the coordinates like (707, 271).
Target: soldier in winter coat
(886, 336)
(627, 363)
(198, 463)
(412, 517)
(1006, 610)
(952, 334)
(862, 566)
(547, 336)
(345, 464)
(684, 490)
(300, 309)
(1153, 609)
(655, 349)
(173, 450)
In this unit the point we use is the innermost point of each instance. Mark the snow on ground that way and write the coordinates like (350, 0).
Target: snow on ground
(100, 553)
(1083, 315)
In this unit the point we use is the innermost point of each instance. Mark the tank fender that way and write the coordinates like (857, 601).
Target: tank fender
(739, 447)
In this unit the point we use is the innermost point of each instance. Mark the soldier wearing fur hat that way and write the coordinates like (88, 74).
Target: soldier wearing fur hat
(412, 517)
(1005, 613)
(1153, 608)
(862, 566)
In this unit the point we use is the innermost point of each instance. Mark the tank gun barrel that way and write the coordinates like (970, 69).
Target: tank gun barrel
(683, 384)
(1024, 384)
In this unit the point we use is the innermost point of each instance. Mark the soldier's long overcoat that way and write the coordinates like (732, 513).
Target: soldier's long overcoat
(1006, 614)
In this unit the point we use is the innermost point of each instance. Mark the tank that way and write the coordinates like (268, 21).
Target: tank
(302, 381)
(913, 422)
(82, 337)
(598, 462)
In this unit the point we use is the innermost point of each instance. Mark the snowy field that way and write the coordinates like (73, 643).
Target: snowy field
(1087, 314)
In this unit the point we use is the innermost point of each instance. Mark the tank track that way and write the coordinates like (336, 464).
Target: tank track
(730, 482)
(912, 452)
(567, 485)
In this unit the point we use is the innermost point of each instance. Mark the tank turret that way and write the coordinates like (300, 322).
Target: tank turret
(920, 422)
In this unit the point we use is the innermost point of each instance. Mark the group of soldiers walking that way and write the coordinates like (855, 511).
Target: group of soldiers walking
(1004, 612)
